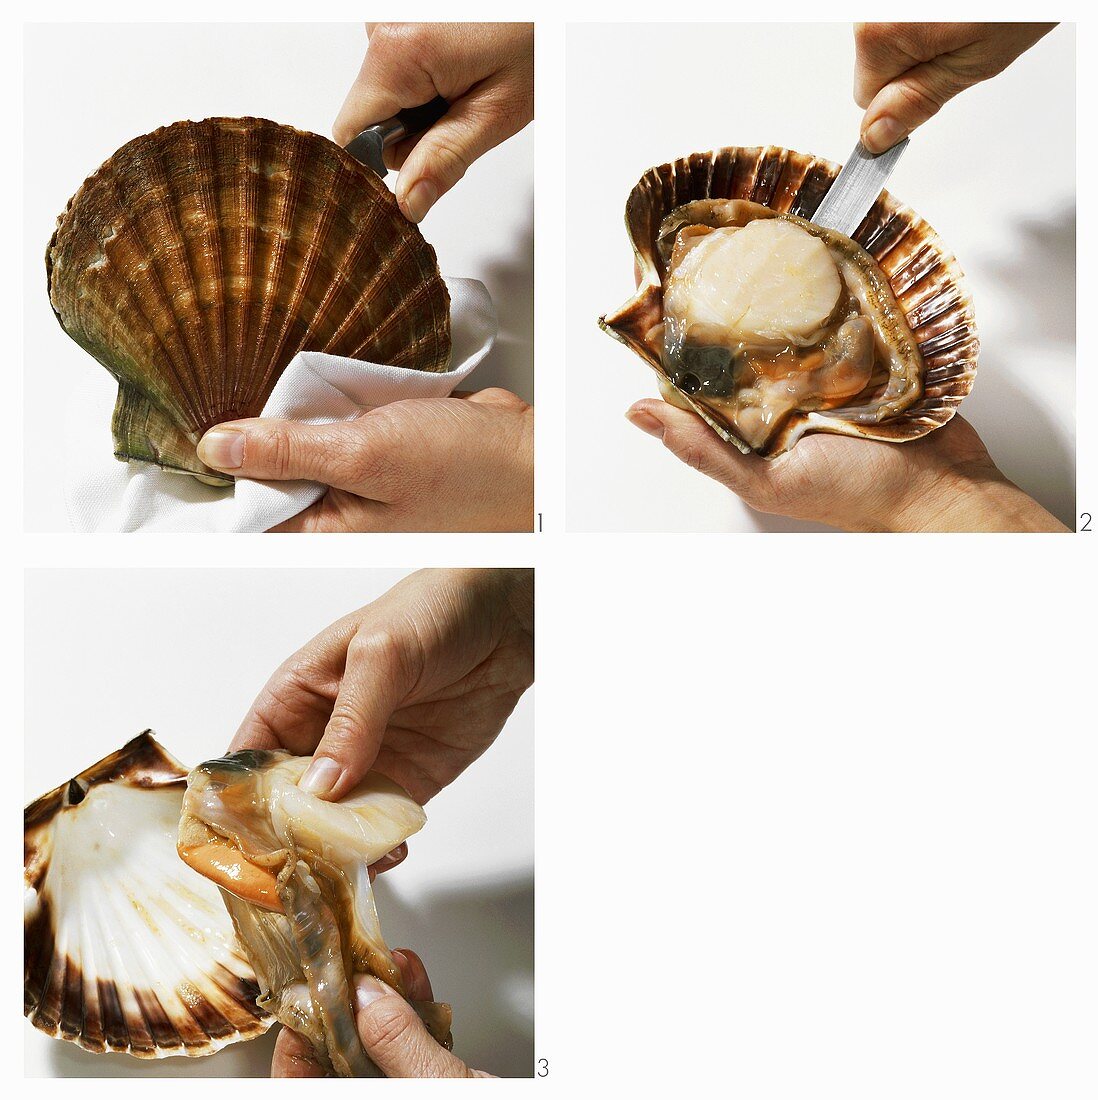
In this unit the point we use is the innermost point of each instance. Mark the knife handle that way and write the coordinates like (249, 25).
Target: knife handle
(417, 119)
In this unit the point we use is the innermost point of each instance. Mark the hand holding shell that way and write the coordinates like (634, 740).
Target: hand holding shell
(923, 279)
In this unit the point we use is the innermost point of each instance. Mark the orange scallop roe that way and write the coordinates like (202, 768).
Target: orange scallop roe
(227, 867)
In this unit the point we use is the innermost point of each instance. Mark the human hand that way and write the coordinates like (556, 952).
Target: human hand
(945, 481)
(392, 1034)
(459, 463)
(906, 72)
(484, 70)
(416, 684)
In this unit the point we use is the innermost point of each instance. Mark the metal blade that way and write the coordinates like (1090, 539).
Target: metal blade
(368, 148)
(856, 188)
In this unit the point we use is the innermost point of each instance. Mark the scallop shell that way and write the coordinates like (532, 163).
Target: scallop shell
(200, 258)
(924, 276)
(125, 947)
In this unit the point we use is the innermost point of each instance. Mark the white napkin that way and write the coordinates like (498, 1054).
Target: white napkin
(104, 494)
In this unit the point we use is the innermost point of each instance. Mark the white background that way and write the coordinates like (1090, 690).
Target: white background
(994, 173)
(133, 78)
(819, 825)
(184, 652)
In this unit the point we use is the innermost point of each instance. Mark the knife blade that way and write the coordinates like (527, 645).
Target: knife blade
(369, 147)
(856, 187)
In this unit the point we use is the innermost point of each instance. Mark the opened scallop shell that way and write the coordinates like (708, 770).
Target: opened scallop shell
(126, 948)
(199, 259)
(925, 278)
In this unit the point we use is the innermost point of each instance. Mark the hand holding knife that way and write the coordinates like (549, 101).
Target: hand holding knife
(369, 146)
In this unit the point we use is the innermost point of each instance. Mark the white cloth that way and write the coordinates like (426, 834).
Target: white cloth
(104, 494)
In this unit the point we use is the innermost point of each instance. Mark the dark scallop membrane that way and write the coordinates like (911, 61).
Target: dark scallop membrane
(786, 328)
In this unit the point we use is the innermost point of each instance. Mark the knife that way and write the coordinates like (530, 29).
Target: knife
(369, 147)
(856, 187)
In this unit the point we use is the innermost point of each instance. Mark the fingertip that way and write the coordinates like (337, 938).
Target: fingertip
(294, 1056)
(369, 990)
(390, 859)
(222, 447)
(417, 985)
(344, 785)
(881, 134)
(351, 760)
(666, 413)
(322, 777)
(641, 417)
(339, 128)
(409, 974)
(345, 746)
(395, 1037)
(436, 162)
(416, 198)
(694, 443)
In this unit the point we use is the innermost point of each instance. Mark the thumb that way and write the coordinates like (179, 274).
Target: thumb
(376, 681)
(907, 102)
(692, 441)
(286, 450)
(474, 124)
(395, 1038)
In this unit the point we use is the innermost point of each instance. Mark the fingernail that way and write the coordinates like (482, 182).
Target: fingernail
(645, 421)
(418, 199)
(408, 956)
(222, 448)
(320, 777)
(882, 135)
(368, 990)
(397, 855)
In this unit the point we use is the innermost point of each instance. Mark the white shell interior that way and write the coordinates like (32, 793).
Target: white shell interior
(129, 914)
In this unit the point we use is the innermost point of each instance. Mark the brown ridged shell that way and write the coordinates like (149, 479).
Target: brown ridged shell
(926, 279)
(200, 258)
(126, 948)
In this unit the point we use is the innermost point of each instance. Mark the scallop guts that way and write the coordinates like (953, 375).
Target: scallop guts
(293, 870)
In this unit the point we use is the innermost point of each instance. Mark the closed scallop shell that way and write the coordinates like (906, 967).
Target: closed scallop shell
(199, 259)
(126, 948)
(925, 277)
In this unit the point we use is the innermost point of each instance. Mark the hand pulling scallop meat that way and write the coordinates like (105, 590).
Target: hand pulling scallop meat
(294, 873)
(770, 327)
(174, 914)
(198, 260)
